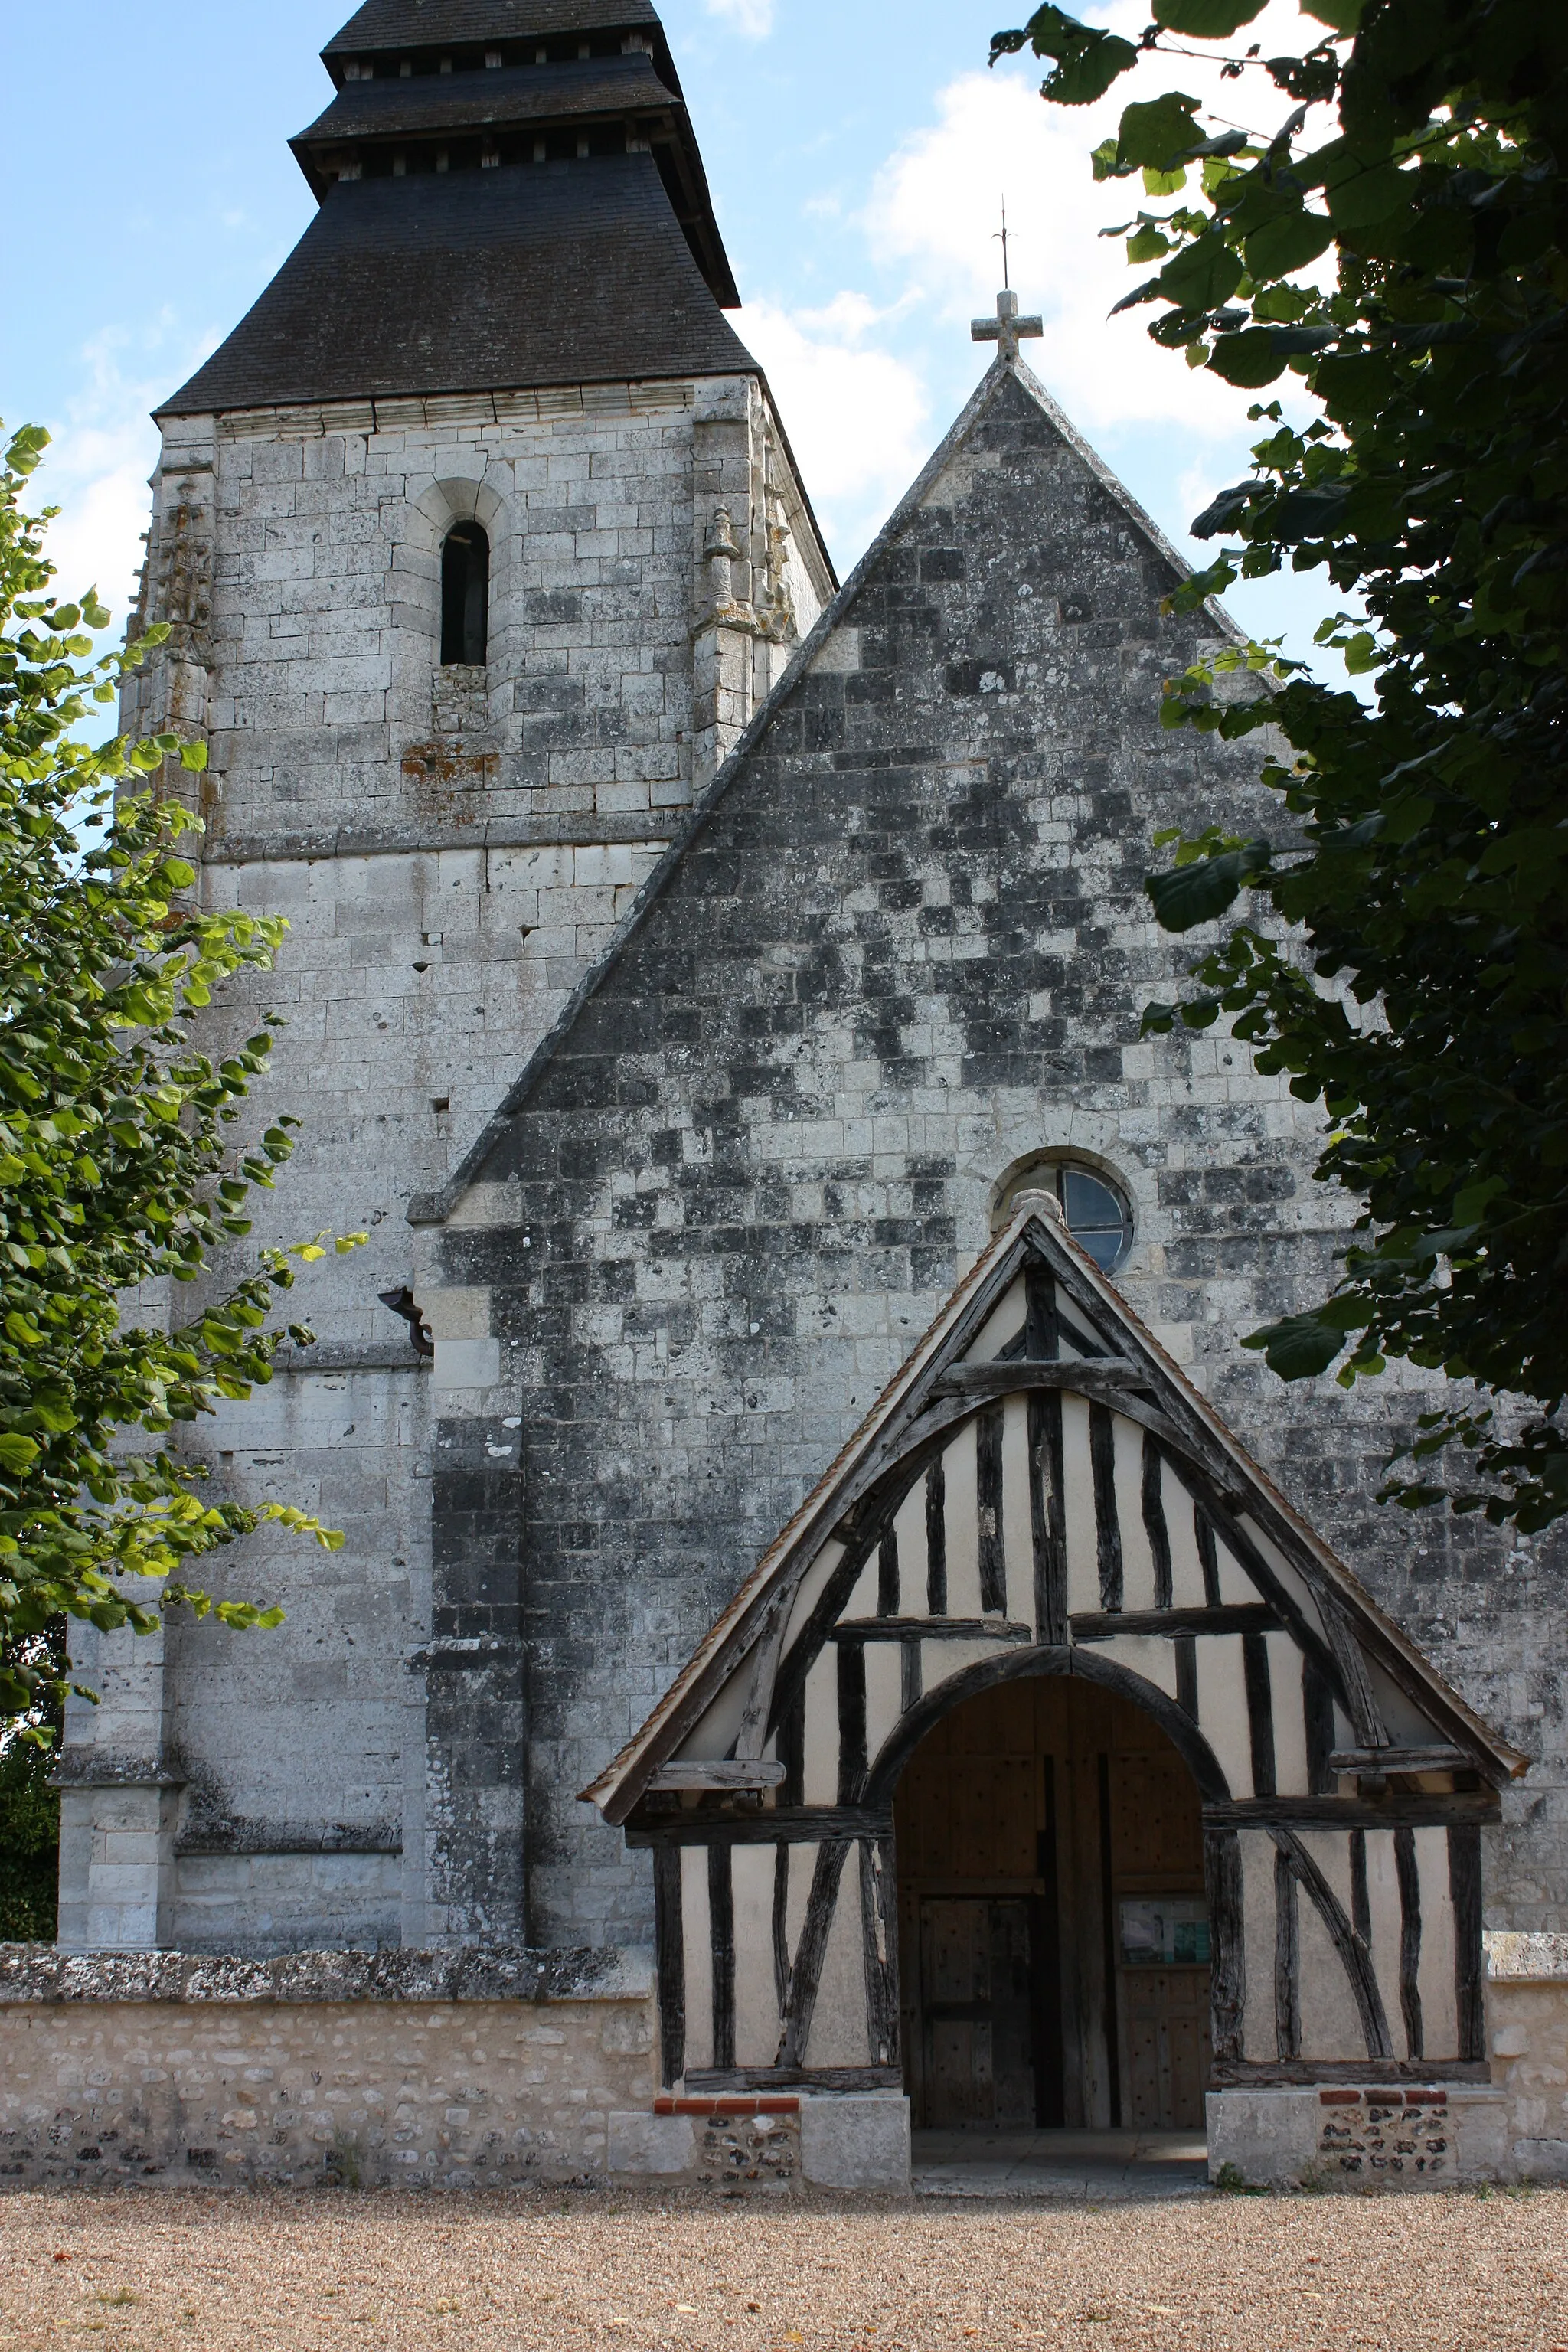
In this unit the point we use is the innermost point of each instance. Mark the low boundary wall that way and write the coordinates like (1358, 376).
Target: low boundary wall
(464, 2069)
(444, 2069)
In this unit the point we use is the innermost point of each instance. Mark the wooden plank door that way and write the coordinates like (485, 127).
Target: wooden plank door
(1166, 2033)
(976, 2025)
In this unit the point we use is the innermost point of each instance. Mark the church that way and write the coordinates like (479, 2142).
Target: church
(835, 1640)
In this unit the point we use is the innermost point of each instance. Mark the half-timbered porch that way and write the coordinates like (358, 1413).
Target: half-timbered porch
(1050, 1769)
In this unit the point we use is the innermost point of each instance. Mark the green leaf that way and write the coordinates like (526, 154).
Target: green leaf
(1198, 892)
(1248, 358)
(1361, 194)
(1206, 20)
(17, 1453)
(1287, 243)
(1089, 58)
(1154, 132)
(1206, 273)
(1300, 1348)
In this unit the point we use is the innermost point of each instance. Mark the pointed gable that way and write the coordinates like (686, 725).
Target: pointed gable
(901, 946)
(1040, 1474)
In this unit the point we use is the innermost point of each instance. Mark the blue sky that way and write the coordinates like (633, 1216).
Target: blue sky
(859, 157)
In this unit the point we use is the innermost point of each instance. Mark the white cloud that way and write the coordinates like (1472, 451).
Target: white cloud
(858, 418)
(102, 452)
(751, 18)
(935, 207)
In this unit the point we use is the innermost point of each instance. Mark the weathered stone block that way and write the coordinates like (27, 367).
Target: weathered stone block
(856, 2140)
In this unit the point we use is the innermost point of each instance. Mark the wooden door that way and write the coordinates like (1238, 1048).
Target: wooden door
(977, 2072)
(1165, 2031)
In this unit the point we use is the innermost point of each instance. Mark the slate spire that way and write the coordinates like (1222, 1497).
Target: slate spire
(512, 195)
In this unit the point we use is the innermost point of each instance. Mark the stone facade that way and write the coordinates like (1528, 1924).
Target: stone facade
(895, 951)
(903, 947)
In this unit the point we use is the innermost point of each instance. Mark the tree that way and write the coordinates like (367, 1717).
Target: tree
(1396, 243)
(30, 1807)
(117, 1168)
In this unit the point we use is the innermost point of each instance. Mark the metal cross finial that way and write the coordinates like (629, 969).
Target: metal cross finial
(1007, 329)
(1006, 281)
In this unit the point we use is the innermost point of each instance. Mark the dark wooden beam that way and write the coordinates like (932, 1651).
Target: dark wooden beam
(805, 1968)
(1354, 1955)
(1090, 1376)
(991, 1542)
(1409, 1879)
(879, 1948)
(936, 1538)
(669, 1961)
(851, 1693)
(1469, 1965)
(1238, 2073)
(1047, 1516)
(1259, 1712)
(1228, 1932)
(704, 2081)
(931, 1628)
(786, 1824)
(1402, 1759)
(722, 1932)
(731, 1772)
(1107, 1517)
(1420, 1812)
(1153, 1504)
(1287, 1961)
(1235, 1617)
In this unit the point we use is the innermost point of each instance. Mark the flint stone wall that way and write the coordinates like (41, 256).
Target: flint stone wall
(434, 2069)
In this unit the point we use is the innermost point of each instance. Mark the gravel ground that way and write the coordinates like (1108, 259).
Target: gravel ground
(314, 2270)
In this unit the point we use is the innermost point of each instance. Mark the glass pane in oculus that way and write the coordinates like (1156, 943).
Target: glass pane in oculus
(1097, 1218)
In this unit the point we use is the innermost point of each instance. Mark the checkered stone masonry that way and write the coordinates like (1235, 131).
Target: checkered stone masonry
(908, 946)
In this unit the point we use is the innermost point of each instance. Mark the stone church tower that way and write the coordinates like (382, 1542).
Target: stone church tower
(789, 1424)
(482, 540)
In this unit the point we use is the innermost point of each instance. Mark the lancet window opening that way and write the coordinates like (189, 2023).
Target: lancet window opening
(465, 595)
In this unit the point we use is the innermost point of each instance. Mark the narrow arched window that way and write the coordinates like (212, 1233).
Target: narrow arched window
(464, 594)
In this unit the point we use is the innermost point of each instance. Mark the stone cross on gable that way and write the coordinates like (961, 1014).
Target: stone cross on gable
(1007, 329)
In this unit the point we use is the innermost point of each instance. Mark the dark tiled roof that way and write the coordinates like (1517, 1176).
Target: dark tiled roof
(427, 24)
(381, 110)
(527, 274)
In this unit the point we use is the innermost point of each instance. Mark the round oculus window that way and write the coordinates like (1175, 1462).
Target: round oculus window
(1093, 1208)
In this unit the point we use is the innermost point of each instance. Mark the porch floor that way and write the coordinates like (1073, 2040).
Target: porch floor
(1091, 2165)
